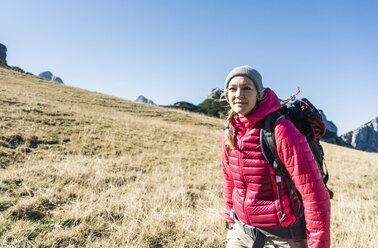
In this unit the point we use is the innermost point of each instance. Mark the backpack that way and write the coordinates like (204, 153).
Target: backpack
(308, 121)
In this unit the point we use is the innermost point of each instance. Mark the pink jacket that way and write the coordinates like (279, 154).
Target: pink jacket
(249, 184)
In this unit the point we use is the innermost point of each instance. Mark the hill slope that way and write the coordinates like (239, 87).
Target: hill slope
(80, 168)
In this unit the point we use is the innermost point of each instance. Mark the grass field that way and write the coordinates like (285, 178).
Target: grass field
(83, 169)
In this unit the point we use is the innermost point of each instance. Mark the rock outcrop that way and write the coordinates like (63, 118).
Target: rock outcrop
(142, 99)
(49, 76)
(213, 105)
(331, 127)
(214, 94)
(4, 63)
(364, 138)
(3, 55)
(331, 133)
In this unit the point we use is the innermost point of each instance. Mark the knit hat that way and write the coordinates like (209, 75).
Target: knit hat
(248, 71)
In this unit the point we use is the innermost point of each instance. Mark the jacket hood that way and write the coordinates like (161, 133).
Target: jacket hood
(268, 105)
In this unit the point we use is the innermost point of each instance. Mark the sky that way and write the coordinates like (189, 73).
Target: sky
(172, 51)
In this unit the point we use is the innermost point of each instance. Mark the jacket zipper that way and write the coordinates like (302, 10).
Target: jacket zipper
(242, 178)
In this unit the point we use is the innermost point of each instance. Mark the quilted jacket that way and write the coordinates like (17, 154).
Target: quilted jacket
(249, 184)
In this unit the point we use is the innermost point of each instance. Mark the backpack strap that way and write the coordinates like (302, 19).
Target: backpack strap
(269, 149)
(317, 151)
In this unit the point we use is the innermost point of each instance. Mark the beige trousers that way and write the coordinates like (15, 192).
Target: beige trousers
(236, 238)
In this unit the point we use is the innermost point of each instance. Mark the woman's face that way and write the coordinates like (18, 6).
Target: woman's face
(242, 94)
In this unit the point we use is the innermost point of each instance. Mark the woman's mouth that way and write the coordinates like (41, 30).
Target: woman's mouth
(240, 103)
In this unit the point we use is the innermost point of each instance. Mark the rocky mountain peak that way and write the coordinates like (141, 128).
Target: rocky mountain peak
(3, 54)
(49, 76)
(331, 127)
(331, 133)
(215, 94)
(364, 138)
(143, 99)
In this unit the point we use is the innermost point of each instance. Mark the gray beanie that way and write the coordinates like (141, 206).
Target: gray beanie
(248, 71)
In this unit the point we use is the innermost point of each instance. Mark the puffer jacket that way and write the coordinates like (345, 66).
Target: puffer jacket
(249, 184)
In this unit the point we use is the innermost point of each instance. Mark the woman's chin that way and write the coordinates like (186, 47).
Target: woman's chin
(241, 111)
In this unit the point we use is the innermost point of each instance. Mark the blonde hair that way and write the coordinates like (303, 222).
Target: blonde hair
(229, 141)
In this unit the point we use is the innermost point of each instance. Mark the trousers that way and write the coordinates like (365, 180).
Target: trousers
(237, 238)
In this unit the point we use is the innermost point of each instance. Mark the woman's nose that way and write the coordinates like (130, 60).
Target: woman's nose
(239, 92)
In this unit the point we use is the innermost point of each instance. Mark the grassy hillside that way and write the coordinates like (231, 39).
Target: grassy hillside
(83, 169)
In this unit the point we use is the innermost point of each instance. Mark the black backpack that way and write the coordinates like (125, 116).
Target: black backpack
(308, 121)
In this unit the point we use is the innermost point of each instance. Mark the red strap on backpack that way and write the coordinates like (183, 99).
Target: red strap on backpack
(318, 127)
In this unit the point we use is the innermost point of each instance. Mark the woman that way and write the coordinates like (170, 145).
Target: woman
(252, 208)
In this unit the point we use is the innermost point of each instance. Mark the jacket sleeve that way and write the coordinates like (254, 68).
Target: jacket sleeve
(296, 155)
(228, 185)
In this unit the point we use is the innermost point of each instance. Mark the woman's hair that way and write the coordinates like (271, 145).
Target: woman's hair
(229, 141)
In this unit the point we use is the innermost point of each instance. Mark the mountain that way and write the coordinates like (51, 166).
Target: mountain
(186, 106)
(51, 77)
(3, 55)
(3, 61)
(215, 94)
(84, 169)
(212, 106)
(364, 138)
(331, 132)
(142, 99)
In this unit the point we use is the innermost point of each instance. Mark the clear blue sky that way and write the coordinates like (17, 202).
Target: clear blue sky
(173, 51)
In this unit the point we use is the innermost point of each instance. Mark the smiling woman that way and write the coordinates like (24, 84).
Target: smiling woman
(242, 93)
(255, 214)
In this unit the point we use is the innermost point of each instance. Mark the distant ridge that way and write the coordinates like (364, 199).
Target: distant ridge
(364, 138)
(4, 63)
(49, 76)
(143, 99)
(3, 55)
(215, 94)
(331, 133)
(212, 106)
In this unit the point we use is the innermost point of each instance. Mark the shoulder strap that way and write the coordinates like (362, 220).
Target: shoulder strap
(269, 149)
(267, 140)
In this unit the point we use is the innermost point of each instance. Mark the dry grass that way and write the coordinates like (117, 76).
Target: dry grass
(355, 204)
(83, 169)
